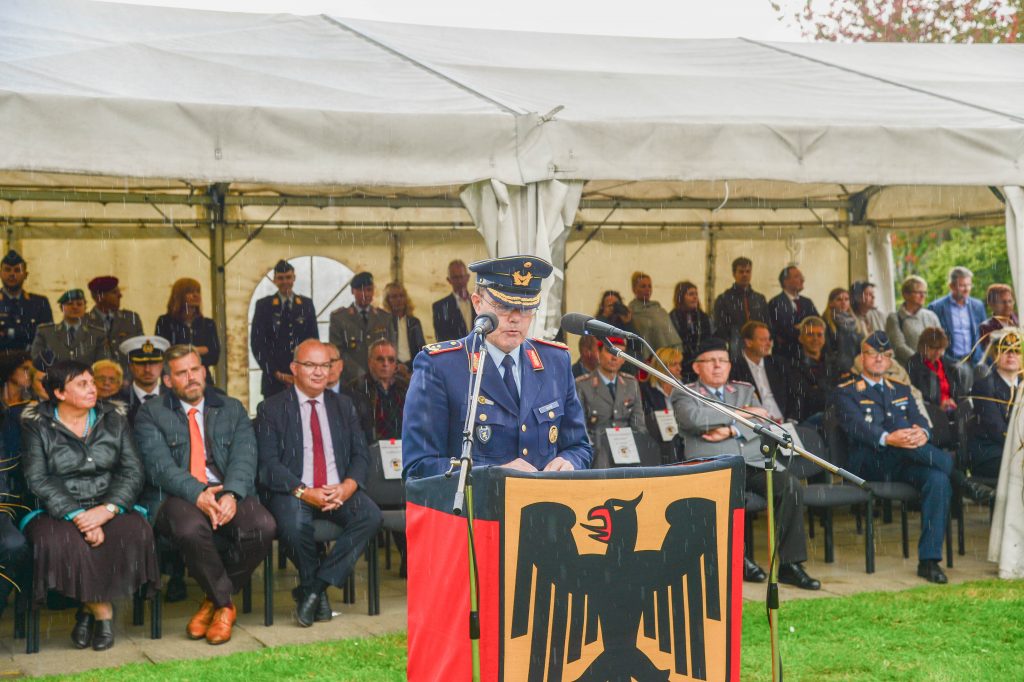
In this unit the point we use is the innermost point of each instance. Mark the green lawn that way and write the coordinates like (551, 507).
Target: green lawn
(971, 632)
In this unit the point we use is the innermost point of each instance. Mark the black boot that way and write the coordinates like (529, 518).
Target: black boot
(306, 611)
(324, 612)
(81, 634)
(103, 635)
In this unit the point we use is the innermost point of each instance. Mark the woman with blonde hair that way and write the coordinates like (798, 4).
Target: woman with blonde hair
(184, 324)
(408, 329)
(656, 395)
(843, 333)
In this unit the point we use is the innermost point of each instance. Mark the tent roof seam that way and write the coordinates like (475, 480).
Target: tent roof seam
(887, 81)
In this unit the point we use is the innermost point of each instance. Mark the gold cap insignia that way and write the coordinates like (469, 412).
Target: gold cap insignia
(148, 347)
(521, 280)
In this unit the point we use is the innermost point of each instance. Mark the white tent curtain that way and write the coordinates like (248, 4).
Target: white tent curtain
(1014, 246)
(1005, 536)
(881, 269)
(529, 219)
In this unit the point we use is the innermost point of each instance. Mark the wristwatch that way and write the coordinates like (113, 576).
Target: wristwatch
(299, 491)
(112, 508)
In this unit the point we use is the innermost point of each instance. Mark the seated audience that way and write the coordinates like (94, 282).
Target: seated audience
(940, 381)
(453, 314)
(692, 324)
(117, 324)
(656, 396)
(15, 387)
(109, 379)
(992, 401)
(649, 317)
(379, 395)
(843, 332)
(70, 339)
(888, 441)
(408, 331)
(1004, 314)
(316, 471)
(614, 312)
(81, 464)
(961, 316)
(145, 355)
(335, 372)
(706, 431)
(757, 366)
(738, 305)
(862, 303)
(906, 324)
(184, 324)
(809, 376)
(787, 309)
(354, 328)
(588, 357)
(200, 454)
(609, 398)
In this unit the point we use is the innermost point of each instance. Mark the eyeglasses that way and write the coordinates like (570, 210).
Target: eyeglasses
(875, 354)
(313, 366)
(712, 361)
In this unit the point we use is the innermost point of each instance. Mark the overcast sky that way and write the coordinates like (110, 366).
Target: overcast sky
(662, 18)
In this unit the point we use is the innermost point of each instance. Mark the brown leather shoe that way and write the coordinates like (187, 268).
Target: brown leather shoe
(220, 629)
(201, 621)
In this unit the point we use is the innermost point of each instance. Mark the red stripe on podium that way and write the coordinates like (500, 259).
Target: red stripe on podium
(736, 601)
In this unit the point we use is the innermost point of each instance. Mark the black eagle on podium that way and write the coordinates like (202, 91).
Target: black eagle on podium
(575, 592)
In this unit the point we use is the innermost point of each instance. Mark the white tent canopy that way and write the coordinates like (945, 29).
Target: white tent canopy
(122, 117)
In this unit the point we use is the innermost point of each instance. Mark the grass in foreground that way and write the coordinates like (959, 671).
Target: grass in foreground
(972, 632)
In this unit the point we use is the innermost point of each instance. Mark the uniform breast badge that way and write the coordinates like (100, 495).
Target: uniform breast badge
(483, 433)
(553, 434)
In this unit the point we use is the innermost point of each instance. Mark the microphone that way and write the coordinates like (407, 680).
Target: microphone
(585, 325)
(485, 323)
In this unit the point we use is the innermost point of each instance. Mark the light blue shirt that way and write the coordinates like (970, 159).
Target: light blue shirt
(497, 355)
(960, 341)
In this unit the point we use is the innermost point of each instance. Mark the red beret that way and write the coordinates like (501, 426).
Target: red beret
(101, 285)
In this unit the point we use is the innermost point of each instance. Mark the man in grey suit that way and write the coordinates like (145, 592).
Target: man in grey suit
(70, 339)
(706, 431)
(609, 398)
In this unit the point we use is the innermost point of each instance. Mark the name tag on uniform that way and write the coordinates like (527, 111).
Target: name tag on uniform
(666, 424)
(391, 458)
(622, 445)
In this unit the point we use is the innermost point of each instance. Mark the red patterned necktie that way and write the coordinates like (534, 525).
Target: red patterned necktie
(319, 458)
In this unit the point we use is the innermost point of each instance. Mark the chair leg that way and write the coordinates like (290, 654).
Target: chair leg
(268, 590)
(282, 558)
(156, 616)
(904, 530)
(830, 549)
(373, 575)
(247, 596)
(960, 549)
(138, 609)
(387, 550)
(869, 536)
(349, 593)
(949, 541)
(32, 630)
(886, 511)
(20, 610)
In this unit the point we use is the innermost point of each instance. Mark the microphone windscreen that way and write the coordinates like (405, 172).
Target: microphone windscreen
(575, 323)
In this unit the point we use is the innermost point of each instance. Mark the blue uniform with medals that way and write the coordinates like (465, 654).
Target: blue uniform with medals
(867, 413)
(277, 328)
(547, 423)
(20, 317)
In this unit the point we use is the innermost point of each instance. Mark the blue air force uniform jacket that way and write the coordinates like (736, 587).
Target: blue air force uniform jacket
(548, 422)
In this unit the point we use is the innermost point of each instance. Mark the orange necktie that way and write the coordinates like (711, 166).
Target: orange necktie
(196, 449)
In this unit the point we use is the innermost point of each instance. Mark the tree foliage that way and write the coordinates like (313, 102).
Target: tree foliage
(905, 21)
(931, 255)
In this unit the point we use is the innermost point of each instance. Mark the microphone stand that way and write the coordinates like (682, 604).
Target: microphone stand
(464, 499)
(771, 441)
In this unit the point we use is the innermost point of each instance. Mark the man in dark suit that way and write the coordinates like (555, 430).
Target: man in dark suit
(118, 325)
(961, 316)
(199, 451)
(145, 356)
(738, 305)
(994, 396)
(787, 310)
(757, 366)
(280, 323)
(453, 314)
(21, 313)
(313, 464)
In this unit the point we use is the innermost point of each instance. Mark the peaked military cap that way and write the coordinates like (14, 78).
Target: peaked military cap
(513, 280)
(101, 285)
(71, 295)
(362, 279)
(13, 258)
(284, 266)
(145, 348)
(879, 341)
(1007, 339)
(710, 344)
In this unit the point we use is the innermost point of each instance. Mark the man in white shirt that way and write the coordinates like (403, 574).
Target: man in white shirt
(315, 472)
(756, 365)
(145, 356)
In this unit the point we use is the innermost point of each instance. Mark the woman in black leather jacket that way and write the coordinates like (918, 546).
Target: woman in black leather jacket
(80, 461)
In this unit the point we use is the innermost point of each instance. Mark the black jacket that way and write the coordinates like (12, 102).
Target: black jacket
(731, 313)
(810, 384)
(775, 369)
(67, 473)
(927, 381)
(279, 434)
(203, 332)
(161, 428)
(783, 319)
(448, 321)
(416, 339)
(276, 330)
(992, 406)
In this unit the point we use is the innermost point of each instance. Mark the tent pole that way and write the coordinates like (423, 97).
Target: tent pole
(395, 242)
(216, 212)
(711, 248)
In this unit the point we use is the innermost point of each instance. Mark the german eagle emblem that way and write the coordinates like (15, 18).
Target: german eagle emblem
(670, 591)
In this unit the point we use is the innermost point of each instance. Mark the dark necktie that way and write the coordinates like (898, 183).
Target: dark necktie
(611, 389)
(510, 381)
(71, 336)
(319, 458)
(718, 394)
(149, 396)
(366, 316)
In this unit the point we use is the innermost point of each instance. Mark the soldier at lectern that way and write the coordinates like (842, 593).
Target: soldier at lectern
(528, 416)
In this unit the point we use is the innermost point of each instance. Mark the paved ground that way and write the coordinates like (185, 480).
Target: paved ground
(845, 576)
